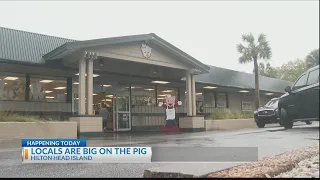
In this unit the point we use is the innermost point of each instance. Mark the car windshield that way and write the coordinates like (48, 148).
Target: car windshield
(272, 104)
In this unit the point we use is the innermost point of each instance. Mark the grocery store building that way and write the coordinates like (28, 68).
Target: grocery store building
(58, 78)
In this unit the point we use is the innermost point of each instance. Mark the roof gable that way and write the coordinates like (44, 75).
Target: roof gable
(70, 47)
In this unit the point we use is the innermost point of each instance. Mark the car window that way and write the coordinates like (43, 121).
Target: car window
(301, 82)
(272, 104)
(313, 77)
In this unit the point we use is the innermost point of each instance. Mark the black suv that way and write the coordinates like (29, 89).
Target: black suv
(301, 102)
(269, 113)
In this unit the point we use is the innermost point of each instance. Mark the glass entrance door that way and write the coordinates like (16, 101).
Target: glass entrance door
(123, 108)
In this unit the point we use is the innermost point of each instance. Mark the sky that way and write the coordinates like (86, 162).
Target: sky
(207, 30)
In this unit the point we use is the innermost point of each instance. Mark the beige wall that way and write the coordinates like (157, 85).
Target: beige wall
(132, 52)
(18, 130)
(35, 106)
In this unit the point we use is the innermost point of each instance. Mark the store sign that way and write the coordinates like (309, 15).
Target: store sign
(146, 50)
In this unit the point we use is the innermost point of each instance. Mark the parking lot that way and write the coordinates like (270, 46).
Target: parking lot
(270, 141)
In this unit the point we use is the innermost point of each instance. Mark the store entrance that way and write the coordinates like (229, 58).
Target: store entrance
(119, 108)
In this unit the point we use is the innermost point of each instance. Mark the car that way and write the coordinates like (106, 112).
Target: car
(301, 101)
(267, 114)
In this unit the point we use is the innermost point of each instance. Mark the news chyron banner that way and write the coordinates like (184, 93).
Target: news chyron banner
(76, 151)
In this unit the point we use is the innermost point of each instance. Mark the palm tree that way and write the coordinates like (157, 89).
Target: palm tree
(252, 51)
(312, 58)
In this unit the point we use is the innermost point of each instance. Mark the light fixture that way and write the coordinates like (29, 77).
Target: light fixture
(209, 87)
(94, 75)
(198, 93)
(149, 89)
(167, 91)
(106, 85)
(5, 83)
(162, 95)
(243, 91)
(160, 98)
(47, 91)
(160, 82)
(109, 100)
(76, 83)
(133, 87)
(94, 94)
(49, 97)
(11, 78)
(109, 96)
(269, 94)
(60, 88)
(185, 92)
(46, 81)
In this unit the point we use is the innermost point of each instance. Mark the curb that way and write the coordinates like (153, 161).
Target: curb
(270, 166)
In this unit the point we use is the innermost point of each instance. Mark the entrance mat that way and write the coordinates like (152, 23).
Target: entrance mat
(170, 128)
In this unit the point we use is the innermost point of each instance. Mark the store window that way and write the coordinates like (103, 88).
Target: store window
(12, 86)
(221, 100)
(143, 95)
(162, 92)
(209, 99)
(48, 89)
(199, 101)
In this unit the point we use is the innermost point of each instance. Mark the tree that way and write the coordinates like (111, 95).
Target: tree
(267, 70)
(312, 58)
(252, 51)
(292, 70)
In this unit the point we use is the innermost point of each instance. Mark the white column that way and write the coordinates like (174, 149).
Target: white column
(189, 94)
(89, 84)
(82, 86)
(193, 94)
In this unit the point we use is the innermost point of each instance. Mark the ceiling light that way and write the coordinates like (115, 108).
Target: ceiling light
(11, 78)
(60, 88)
(109, 96)
(160, 98)
(47, 91)
(93, 75)
(106, 85)
(166, 91)
(76, 83)
(149, 89)
(133, 87)
(162, 95)
(49, 97)
(160, 82)
(209, 87)
(269, 94)
(94, 94)
(109, 100)
(243, 91)
(46, 81)
(198, 93)
(5, 83)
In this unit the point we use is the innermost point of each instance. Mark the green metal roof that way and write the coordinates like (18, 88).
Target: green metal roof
(230, 78)
(16, 45)
(28, 47)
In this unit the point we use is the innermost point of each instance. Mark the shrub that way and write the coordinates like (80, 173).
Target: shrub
(225, 113)
(7, 116)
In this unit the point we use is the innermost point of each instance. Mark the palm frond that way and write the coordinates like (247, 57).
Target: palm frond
(249, 38)
(245, 58)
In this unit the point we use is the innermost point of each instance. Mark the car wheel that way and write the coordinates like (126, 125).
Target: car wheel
(286, 120)
(308, 122)
(260, 124)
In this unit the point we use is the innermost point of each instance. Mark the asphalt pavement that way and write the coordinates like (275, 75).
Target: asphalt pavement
(269, 141)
